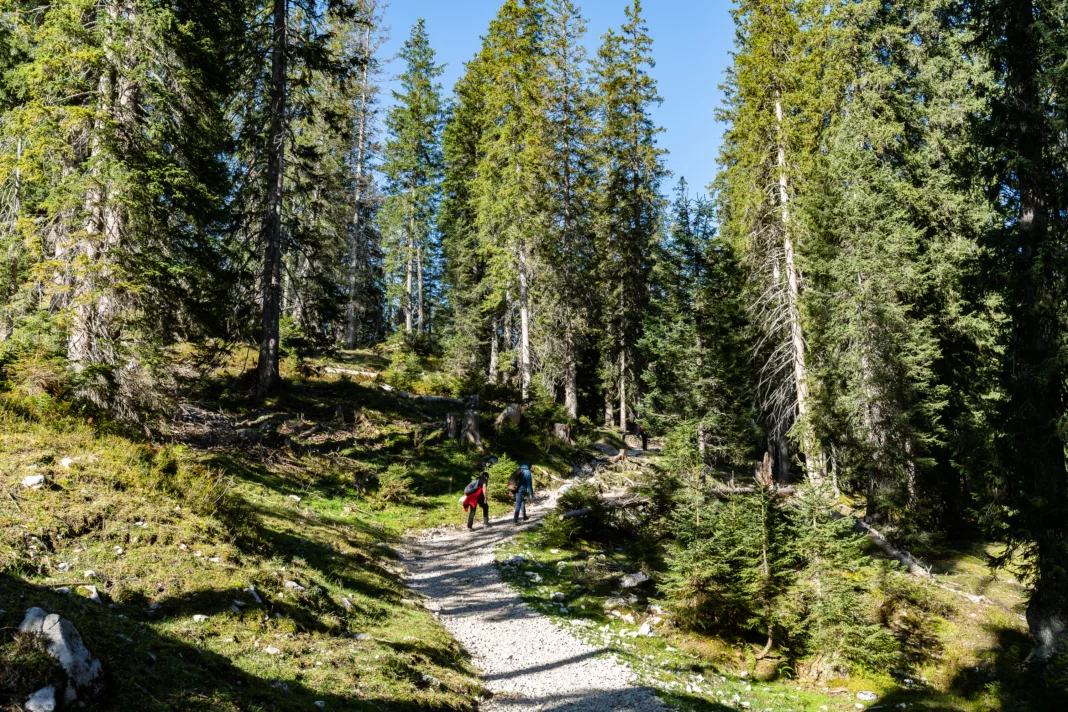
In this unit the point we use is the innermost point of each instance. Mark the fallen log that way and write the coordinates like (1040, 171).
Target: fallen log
(350, 372)
(413, 396)
(612, 502)
(903, 557)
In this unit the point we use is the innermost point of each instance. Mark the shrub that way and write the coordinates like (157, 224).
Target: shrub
(595, 526)
(499, 474)
(395, 484)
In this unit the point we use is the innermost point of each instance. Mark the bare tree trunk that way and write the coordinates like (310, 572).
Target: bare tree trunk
(357, 252)
(271, 287)
(419, 265)
(13, 252)
(609, 413)
(570, 370)
(524, 323)
(623, 391)
(409, 277)
(813, 459)
(495, 352)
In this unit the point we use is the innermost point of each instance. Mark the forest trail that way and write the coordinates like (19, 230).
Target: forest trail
(528, 662)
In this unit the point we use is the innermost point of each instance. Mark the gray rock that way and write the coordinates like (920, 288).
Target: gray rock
(199, 618)
(44, 700)
(646, 630)
(557, 596)
(612, 603)
(34, 482)
(64, 644)
(93, 594)
(867, 696)
(635, 579)
(293, 586)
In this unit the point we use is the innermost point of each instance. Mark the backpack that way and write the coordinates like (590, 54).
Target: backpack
(515, 481)
(473, 487)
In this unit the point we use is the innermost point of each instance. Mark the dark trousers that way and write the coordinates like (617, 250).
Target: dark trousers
(485, 513)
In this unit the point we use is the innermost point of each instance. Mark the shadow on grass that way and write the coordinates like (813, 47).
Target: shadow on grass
(148, 670)
(1003, 681)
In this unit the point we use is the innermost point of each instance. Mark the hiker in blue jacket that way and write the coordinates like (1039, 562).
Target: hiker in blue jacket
(524, 490)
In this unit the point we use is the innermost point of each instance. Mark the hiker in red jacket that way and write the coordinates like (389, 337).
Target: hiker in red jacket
(477, 498)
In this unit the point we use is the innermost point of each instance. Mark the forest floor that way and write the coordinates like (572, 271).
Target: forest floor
(248, 559)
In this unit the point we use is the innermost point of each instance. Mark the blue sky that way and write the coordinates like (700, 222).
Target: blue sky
(692, 39)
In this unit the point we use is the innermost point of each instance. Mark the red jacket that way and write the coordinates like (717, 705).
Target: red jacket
(475, 498)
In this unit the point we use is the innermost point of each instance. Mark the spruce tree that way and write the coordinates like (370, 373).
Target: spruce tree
(412, 168)
(630, 205)
(510, 187)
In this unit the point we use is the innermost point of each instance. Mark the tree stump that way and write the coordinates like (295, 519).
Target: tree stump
(511, 415)
(452, 425)
(562, 432)
(469, 432)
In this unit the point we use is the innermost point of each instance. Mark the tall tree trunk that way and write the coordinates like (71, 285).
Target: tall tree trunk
(357, 252)
(1036, 380)
(570, 370)
(271, 286)
(13, 251)
(623, 391)
(94, 332)
(495, 352)
(419, 266)
(813, 460)
(609, 413)
(409, 272)
(524, 323)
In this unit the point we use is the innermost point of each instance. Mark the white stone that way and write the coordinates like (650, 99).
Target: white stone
(64, 643)
(320, 704)
(94, 595)
(44, 700)
(271, 650)
(362, 636)
(635, 579)
(66, 463)
(89, 574)
(255, 596)
(34, 482)
(646, 629)
(629, 618)
(199, 618)
(557, 596)
(534, 578)
(293, 586)
(119, 551)
(294, 497)
(64, 567)
(867, 696)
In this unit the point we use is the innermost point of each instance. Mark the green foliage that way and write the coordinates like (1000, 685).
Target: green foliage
(596, 526)
(395, 484)
(499, 473)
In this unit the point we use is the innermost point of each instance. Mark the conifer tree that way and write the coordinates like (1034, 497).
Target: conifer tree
(509, 191)
(412, 167)
(694, 342)
(568, 249)
(774, 117)
(114, 179)
(630, 205)
(1026, 43)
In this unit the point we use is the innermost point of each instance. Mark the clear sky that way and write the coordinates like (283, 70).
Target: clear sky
(692, 41)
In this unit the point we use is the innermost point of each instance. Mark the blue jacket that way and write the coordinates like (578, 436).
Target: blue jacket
(526, 483)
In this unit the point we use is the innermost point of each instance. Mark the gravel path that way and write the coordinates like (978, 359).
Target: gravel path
(528, 663)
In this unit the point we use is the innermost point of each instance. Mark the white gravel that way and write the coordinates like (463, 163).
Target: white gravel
(529, 663)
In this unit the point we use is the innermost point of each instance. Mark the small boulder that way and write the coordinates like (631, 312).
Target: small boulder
(614, 603)
(64, 644)
(66, 462)
(557, 596)
(34, 482)
(293, 586)
(44, 700)
(271, 650)
(199, 618)
(635, 579)
(646, 630)
(867, 696)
